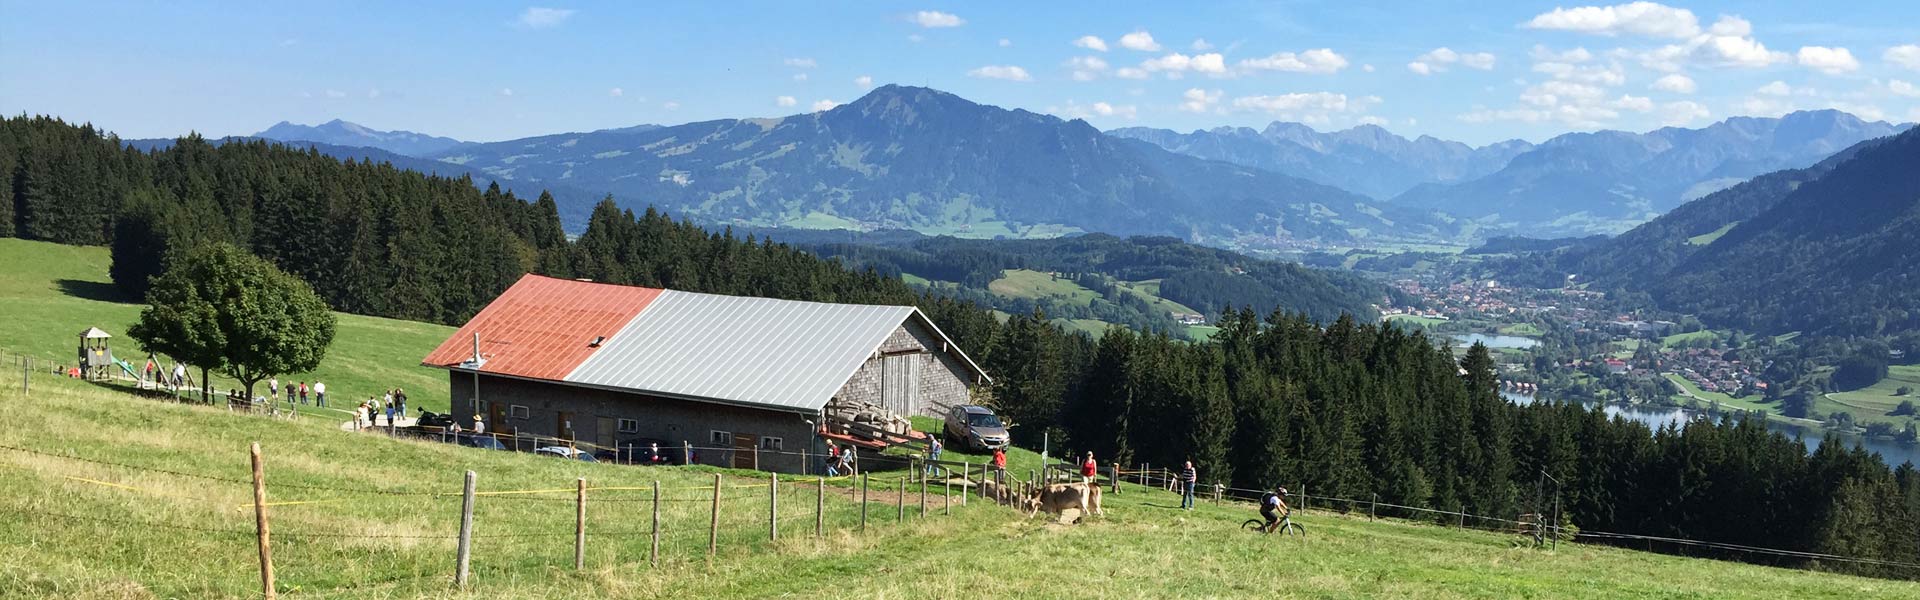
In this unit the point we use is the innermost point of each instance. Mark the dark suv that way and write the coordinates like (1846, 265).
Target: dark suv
(973, 427)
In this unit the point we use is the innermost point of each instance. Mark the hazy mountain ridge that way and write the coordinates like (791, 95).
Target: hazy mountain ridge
(1366, 159)
(1608, 181)
(343, 133)
(923, 159)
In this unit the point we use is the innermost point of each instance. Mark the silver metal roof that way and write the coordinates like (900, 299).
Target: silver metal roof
(757, 351)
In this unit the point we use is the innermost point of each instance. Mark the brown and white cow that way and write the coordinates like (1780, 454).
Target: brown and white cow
(1059, 497)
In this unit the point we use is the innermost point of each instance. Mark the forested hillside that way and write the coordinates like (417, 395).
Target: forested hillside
(1208, 280)
(1348, 409)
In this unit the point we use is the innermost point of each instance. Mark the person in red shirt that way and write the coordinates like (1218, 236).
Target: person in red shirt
(1000, 465)
(1089, 470)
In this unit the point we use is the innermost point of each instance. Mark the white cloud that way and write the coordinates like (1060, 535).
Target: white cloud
(1777, 88)
(1007, 72)
(1439, 59)
(784, 101)
(1368, 68)
(1675, 83)
(1633, 103)
(1197, 100)
(1139, 40)
(1173, 65)
(373, 93)
(616, 92)
(670, 105)
(536, 17)
(503, 92)
(1200, 45)
(1681, 113)
(801, 63)
(1091, 43)
(336, 94)
(1130, 73)
(1318, 60)
(1902, 88)
(1308, 107)
(1729, 43)
(915, 38)
(1372, 120)
(289, 42)
(1086, 68)
(1004, 42)
(820, 105)
(933, 18)
(1905, 56)
(1832, 61)
(799, 76)
(1607, 75)
(1545, 54)
(1074, 110)
(863, 81)
(1646, 19)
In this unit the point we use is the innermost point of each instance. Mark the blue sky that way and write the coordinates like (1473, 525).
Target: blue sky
(1472, 71)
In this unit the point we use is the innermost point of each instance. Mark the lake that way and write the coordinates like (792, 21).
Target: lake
(1655, 417)
(1496, 341)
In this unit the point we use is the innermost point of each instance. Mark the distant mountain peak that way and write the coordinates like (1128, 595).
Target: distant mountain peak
(341, 132)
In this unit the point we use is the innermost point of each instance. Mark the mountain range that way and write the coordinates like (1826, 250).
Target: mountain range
(921, 159)
(1832, 248)
(909, 157)
(1366, 159)
(1609, 181)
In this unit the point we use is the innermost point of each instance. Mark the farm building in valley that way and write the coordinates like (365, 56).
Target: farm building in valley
(602, 364)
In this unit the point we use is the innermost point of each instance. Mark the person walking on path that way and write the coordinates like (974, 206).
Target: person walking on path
(1089, 469)
(319, 393)
(833, 460)
(303, 393)
(1000, 465)
(390, 413)
(1188, 478)
(400, 400)
(273, 389)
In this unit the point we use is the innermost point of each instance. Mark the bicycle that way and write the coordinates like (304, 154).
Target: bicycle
(1285, 525)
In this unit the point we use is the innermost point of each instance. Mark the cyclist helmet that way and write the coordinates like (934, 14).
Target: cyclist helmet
(1280, 490)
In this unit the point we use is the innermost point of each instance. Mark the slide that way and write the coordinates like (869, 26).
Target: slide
(128, 368)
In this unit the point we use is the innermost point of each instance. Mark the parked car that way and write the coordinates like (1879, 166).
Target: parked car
(648, 451)
(565, 452)
(482, 441)
(975, 428)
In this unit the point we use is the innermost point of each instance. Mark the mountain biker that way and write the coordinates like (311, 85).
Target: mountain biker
(1273, 506)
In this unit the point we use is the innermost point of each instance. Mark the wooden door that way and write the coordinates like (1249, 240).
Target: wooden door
(744, 445)
(603, 432)
(900, 383)
(496, 418)
(563, 425)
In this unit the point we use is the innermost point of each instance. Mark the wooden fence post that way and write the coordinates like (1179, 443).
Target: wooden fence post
(773, 506)
(713, 526)
(863, 502)
(923, 496)
(1372, 506)
(820, 510)
(966, 475)
(653, 555)
(465, 551)
(947, 494)
(1306, 501)
(260, 523)
(900, 499)
(686, 452)
(756, 457)
(580, 524)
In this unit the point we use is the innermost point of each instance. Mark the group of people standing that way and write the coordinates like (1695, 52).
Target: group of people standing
(298, 393)
(1189, 479)
(393, 404)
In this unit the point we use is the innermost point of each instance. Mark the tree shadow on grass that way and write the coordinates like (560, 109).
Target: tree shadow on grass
(92, 290)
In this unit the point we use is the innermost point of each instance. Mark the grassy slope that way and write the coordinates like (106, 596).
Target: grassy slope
(1709, 237)
(1022, 283)
(1143, 548)
(53, 292)
(1872, 403)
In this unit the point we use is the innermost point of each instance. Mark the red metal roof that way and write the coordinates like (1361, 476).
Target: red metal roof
(541, 326)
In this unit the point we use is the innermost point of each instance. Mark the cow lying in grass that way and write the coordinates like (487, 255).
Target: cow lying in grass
(1057, 498)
